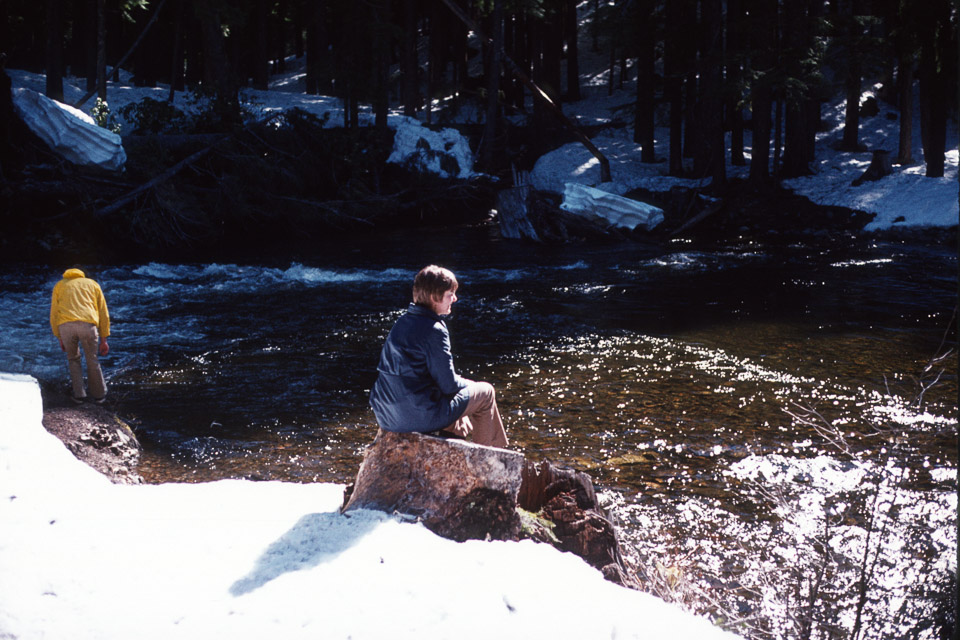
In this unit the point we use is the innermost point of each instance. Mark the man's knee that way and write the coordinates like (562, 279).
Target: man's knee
(487, 389)
(484, 394)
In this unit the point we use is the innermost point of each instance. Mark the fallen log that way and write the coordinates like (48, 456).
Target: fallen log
(166, 175)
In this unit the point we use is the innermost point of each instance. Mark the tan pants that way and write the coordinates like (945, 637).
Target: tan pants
(83, 334)
(482, 418)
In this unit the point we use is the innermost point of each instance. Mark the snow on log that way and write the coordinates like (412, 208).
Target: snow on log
(586, 201)
(69, 132)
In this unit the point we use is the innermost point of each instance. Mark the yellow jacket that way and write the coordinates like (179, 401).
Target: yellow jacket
(77, 297)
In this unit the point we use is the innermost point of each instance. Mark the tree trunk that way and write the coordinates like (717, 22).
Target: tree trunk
(298, 43)
(176, 62)
(734, 66)
(280, 38)
(411, 97)
(905, 62)
(536, 58)
(217, 76)
(796, 161)
(851, 123)
(595, 26)
(54, 50)
(551, 53)
(763, 24)
(145, 60)
(613, 66)
(673, 85)
(88, 19)
(490, 128)
(381, 56)
(777, 132)
(261, 50)
(316, 47)
(102, 50)
(688, 44)
(713, 146)
(938, 65)
(571, 32)
(644, 125)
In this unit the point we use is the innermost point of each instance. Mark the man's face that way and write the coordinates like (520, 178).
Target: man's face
(442, 306)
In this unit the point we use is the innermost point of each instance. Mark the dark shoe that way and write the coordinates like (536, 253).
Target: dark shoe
(100, 400)
(77, 400)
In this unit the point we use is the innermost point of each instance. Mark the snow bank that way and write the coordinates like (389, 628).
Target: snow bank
(71, 133)
(445, 152)
(83, 558)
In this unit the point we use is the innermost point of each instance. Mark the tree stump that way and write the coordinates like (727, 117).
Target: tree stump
(513, 209)
(880, 166)
(566, 498)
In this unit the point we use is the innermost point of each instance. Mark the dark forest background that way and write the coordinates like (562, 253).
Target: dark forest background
(709, 69)
(713, 63)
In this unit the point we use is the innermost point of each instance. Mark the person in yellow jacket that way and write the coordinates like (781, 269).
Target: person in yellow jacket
(79, 318)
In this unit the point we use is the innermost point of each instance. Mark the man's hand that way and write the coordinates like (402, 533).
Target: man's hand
(104, 347)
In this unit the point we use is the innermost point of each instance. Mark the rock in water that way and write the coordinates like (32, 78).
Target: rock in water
(99, 438)
(458, 489)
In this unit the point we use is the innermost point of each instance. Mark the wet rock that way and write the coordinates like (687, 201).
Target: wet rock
(99, 438)
(458, 489)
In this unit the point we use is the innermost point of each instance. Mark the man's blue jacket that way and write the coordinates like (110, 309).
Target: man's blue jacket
(417, 388)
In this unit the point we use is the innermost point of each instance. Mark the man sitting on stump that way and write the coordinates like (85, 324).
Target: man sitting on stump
(417, 387)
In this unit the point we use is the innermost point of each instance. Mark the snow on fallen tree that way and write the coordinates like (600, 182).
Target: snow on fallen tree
(69, 132)
(623, 212)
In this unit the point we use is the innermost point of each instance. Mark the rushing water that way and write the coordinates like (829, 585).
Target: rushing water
(723, 398)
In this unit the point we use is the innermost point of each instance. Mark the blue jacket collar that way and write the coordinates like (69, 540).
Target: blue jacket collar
(420, 310)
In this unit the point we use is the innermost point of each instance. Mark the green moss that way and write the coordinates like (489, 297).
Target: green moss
(533, 525)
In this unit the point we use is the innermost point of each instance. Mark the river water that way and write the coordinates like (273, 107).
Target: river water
(754, 414)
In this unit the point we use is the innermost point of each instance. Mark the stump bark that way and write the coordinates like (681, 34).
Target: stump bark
(566, 498)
